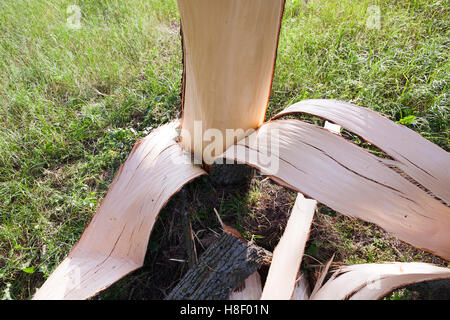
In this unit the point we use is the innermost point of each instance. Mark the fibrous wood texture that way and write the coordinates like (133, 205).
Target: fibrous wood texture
(115, 242)
(348, 179)
(422, 160)
(374, 281)
(221, 268)
(229, 57)
(288, 254)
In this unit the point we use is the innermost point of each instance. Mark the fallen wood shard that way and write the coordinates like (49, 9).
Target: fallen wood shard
(250, 290)
(221, 268)
(288, 254)
(115, 242)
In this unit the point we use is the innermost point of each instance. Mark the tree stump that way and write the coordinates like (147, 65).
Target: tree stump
(231, 174)
(221, 268)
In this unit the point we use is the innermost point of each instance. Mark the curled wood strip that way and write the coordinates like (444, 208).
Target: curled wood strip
(115, 242)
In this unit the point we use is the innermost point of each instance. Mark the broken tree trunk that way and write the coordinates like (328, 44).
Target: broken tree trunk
(251, 289)
(221, 268)
(229, 51)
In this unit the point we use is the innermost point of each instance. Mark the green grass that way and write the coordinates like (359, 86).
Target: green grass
(72, 102)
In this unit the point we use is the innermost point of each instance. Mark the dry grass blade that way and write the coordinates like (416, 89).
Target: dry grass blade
(287, 256)
(348, 179)
(374, 281)
(323, 274)
(424, 161)
(115, 241)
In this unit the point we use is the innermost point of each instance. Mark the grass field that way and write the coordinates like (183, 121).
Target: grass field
(73, 101)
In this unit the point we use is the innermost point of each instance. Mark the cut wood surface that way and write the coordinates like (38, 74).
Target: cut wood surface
(229, 58)
(421, 159)
(115, 242)
(348, 179)
(375, 280)
(288, 254)
(221, 268)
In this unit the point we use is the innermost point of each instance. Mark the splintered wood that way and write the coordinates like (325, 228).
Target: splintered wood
(348, 179)
(416, 156)
(115, 242)
(251, 289)
(229, 58)
(288, 254)
(374, 281)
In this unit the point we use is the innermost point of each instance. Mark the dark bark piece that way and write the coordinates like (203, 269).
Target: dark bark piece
(222, 267)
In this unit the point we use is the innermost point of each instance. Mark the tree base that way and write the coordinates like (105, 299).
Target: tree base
(231, 174)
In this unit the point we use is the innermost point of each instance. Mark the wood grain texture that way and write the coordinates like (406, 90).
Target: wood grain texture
(288, 254)
(348, 179)
(229, 58)
(115, 242)
(323, 274)
(422, 160)
(374, 281)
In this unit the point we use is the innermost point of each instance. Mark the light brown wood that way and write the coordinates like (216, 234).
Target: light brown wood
(115, 242)
(229, 57)
(348, 179)
(374, 281)
(288, 254)
(422, 160)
